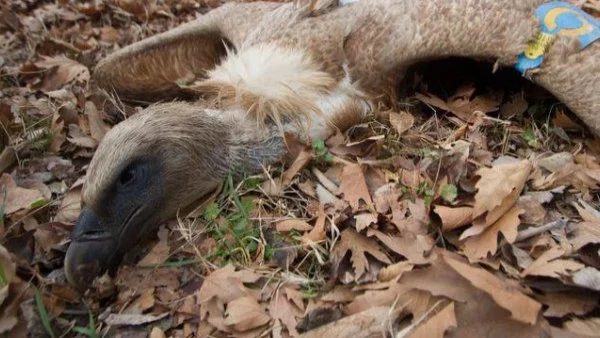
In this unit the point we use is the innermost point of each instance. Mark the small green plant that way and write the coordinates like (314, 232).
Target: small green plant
(211, 212)
(251, 183)
(531, 139)
(423, 189)
(2, 207)
(3, 279)
(449, 192)
(310, 292)
(229, 224)
(89, 330)
(322, 155)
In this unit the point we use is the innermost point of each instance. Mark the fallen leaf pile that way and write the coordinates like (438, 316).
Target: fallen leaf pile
(469, 209)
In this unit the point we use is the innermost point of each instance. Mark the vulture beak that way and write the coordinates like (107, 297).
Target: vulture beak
(93, 249)
(128, 211)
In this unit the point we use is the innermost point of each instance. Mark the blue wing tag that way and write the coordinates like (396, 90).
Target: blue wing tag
(558, 19)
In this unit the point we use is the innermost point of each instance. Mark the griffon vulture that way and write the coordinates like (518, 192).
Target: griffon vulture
(305, 67)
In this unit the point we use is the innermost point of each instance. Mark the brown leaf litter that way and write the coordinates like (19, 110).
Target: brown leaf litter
(478, 219)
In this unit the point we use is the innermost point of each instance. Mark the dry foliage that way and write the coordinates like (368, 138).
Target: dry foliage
(469, 209)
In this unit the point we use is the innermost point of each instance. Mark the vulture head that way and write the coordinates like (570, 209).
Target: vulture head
(147, 168)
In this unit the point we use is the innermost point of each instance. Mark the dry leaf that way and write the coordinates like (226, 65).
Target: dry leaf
(8, 273)
(479, 246)
(565, 303)
(358, 246)
(521, 307)
(245, 313)
(497, 183)
(587, 277)
(453, 218)
(386, 196)
(98, 128)
(364, 220)
(461, 104)
(549, 265)
(438, 324)
(158, 254)
(293, 224)
(157, 332)
(562, 120)
(18, 198)
(305, 156)
(354, 187)
(439, 279)
(144, 302)
(394, 271)
(120, 319)
(533, 211)
(402, 121)
(588, 327)
(140, 8)
(317, 233)
(286, 307)
(225, 285)
(62, 71)
(415, 248)
(70, 207)
(385, 295)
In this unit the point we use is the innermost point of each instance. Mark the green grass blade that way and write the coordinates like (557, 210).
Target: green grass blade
(42, 312)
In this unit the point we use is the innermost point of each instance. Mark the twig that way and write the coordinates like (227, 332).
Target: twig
(530, 232)
(326, 182)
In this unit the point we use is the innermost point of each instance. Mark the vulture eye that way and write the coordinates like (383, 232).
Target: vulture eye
(127, 176)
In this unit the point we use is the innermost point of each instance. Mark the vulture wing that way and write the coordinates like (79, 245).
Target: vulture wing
(394, 35)
(155, 68)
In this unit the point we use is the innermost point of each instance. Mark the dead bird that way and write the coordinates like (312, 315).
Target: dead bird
(308, 68)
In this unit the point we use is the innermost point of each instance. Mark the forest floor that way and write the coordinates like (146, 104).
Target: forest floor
(471, 207)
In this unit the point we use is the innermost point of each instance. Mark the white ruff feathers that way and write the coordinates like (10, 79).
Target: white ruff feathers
(282, 84)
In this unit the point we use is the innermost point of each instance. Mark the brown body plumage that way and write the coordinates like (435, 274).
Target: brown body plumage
(306, 67)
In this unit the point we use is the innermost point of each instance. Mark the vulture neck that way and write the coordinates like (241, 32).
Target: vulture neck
(251, 150)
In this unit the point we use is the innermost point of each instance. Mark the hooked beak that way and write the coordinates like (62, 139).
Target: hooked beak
(97, 246)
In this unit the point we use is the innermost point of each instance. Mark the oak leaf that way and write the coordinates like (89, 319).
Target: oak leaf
(497, 183)
(401, 121)
(225, 285)
(364, 220)
(245, 313)
(286, 307)
(413, 247)
(318, 232)
(354, 186)
(293, 224)
(521, 307)
(549, 265)
(70, 207)
(561, 304)
(300, 162)
(478, 247)
(62, 71)
(17, 198)
(358, 246)
(437, 325)
(453, 218)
